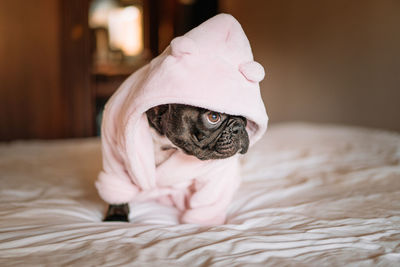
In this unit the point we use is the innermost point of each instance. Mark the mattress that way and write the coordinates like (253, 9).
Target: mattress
(311, 195)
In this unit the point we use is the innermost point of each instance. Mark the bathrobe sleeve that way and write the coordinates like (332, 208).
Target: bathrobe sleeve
(114, 183)
(213, 193)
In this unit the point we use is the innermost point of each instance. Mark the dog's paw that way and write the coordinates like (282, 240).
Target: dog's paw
(117, 213)
(116, 218)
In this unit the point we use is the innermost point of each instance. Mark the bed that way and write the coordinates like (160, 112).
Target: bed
(311, 195)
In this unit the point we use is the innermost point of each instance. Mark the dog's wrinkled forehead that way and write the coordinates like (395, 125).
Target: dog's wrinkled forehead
(193, 110)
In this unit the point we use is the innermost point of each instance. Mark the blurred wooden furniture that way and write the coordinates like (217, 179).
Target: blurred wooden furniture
(48, 85)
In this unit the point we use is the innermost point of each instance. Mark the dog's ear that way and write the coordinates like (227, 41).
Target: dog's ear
(154, 115)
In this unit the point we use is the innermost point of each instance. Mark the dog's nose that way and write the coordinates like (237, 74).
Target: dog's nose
(237, 129)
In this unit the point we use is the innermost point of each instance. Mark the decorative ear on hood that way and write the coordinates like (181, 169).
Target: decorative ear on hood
(252, 71)
(183, 46)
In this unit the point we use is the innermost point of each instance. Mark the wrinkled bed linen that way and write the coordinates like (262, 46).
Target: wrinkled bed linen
(312, 195)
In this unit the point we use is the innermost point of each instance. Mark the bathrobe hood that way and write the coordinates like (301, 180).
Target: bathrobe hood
(211, 67)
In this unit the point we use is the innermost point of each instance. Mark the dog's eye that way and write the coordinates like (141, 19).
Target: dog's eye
(213, 117)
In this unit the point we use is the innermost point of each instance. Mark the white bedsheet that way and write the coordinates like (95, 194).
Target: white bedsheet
(312, 195)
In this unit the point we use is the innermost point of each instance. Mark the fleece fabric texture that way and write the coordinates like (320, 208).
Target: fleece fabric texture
(211, 67)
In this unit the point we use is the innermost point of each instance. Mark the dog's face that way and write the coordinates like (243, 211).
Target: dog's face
(199, 132)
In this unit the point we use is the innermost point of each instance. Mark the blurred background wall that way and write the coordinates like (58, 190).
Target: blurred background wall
(326, 61)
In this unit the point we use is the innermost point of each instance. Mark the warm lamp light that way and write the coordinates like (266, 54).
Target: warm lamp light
(99, 12)
(125, 30)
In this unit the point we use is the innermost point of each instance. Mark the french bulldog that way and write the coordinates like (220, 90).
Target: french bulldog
(202, 133)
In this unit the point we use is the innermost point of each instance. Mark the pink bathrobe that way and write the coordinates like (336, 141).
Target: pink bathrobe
(211, 67)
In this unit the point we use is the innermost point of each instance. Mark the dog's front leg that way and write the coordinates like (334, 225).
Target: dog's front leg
(118, 212)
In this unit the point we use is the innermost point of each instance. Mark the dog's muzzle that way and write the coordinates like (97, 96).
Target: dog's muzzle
(233, 139)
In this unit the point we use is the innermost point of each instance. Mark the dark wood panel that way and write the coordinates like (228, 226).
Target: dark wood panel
(31, 103)
(75, 68)
(44, 70)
